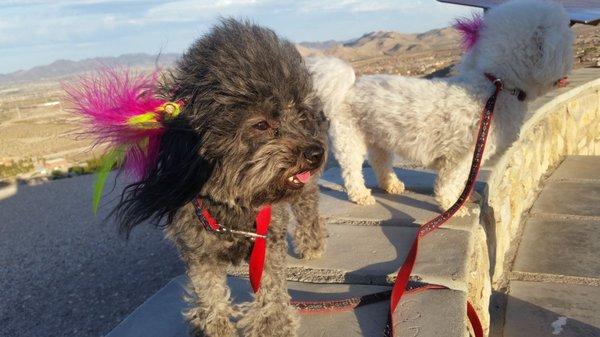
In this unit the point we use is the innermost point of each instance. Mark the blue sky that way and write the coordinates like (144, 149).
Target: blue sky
(36, 32)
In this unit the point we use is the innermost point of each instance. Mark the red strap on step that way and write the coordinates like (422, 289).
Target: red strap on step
(257, 257)
(406, 269)
(403, 276)
(474, 320)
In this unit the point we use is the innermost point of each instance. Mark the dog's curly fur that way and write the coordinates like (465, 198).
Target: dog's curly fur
(250, 121)
(527, 44)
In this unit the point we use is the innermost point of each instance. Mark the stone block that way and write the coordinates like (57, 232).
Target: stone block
(578, 168)
(560, 247)
(569, 198)
(372, 255)
(552, 309)
(409, 209)
(432, 312)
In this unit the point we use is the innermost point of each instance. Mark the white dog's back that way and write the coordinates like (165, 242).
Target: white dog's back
(526, 44)
(386, 107)
(418, 118)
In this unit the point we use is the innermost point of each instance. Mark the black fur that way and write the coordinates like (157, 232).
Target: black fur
(235, 76)
(250, 121)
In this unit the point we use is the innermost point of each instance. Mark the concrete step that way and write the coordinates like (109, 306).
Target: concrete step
(555, 280)
(418, 314)
(373, 255)
(365, 248)
(552, 309)
(368, 244)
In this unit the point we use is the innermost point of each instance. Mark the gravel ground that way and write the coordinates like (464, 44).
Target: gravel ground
(64, 271)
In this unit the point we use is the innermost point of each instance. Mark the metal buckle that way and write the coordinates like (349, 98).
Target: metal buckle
(499, 82)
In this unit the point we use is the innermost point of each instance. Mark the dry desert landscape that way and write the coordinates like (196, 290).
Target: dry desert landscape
(37, 131)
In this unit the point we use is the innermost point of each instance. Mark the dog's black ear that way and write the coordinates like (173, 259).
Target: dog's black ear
(176, 179)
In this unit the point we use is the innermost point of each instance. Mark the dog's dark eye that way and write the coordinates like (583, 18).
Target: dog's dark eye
(262, 126)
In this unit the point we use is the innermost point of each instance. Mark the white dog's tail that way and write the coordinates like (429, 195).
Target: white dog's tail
(332, 79)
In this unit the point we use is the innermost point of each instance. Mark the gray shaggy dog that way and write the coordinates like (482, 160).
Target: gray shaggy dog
(249, 126)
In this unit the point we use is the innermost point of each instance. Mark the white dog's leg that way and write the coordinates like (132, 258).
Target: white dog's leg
(350, 150)
(450, 183)
(381, 161)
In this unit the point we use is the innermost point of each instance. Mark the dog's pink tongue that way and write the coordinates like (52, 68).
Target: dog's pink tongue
(303, 176)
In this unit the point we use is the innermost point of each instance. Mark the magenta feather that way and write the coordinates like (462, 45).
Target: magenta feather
(108, 101)
(469, 30)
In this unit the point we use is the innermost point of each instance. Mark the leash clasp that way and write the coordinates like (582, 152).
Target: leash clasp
(498, 83)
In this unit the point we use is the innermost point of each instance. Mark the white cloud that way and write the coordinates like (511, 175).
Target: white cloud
(28, 24)
(188, 10)
(356, 5)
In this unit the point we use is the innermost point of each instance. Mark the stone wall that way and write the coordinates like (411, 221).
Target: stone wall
(564, 122)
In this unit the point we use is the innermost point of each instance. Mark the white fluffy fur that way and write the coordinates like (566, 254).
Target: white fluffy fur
(528, 44)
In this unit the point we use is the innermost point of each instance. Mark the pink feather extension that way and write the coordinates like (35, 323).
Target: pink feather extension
(469, 30)
(107, 101)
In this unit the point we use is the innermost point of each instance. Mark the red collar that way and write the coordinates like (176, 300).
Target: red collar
(521, 95)
(257, 256)
(212, 225)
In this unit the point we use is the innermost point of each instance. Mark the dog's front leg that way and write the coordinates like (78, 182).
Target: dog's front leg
(271, 315)
(310, 233)
(450, 182)
(382, 163)
(210, 307)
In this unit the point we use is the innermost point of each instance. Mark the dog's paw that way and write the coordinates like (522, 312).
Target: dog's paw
(275, 320)
(463, 211)
(394, 186)
(217, 327)
(362, 197)
(310, 252)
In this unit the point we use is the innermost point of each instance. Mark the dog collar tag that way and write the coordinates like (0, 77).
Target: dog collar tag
(257, 256)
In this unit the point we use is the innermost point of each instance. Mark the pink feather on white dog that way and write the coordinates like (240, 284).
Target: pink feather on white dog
(469, 30)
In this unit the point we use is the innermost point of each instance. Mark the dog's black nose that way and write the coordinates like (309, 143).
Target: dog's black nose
(314, 154)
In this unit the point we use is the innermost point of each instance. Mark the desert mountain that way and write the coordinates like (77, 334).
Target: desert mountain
(425, 53)
(374, 52)
(62, 68)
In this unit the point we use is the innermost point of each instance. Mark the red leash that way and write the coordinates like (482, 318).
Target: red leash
(403, 276)
(406, 269)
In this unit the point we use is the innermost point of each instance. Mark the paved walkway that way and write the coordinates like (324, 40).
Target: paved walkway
(63, 271)
(555, 281)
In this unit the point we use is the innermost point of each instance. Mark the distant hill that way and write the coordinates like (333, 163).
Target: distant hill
(321, 45)
(382, 43)
(375, 52)
(63, 68)
(392, 52)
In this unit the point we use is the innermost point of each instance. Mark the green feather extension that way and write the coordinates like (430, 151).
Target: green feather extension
(109, 161)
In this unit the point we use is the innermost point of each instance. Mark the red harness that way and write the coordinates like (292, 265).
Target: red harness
(257, 256)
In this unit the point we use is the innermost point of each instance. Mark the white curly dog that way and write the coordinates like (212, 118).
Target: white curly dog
(527, 44)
